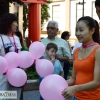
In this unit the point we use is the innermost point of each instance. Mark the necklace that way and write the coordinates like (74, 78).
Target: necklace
(89, 45)
(14, 44)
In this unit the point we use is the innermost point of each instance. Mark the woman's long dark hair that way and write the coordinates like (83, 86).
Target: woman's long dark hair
(19, 34)
(6, 21)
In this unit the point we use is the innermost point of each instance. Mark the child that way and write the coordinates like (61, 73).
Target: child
(51, 50)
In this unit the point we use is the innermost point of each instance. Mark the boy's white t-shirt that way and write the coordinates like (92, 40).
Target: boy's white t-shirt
(9, 48)
(8, 45)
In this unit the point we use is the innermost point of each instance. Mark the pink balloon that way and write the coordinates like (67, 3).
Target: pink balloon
(44, 67)
(26, 59)
(37, 49)
(51, 87)
(3, 65)
(13, 60)
(16, 77)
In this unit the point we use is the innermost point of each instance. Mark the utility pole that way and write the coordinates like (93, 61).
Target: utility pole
(83, 7)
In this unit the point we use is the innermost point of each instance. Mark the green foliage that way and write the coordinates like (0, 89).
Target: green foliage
(44, 13)
(70, 71)
(31, 73)
(25, 19)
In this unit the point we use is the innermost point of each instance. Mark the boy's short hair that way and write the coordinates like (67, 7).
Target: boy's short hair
(51, 45)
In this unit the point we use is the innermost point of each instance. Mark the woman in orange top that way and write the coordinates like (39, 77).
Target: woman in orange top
(85, 81)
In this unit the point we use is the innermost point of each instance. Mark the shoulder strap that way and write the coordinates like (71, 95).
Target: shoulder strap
(76, 53)
(3, 44)
(93, 52)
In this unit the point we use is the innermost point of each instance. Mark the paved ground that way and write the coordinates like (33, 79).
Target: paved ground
(31, 95)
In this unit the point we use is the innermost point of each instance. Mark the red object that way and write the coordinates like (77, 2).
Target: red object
(34, 1)
(34, 22)
(89, 45)
(34, 19)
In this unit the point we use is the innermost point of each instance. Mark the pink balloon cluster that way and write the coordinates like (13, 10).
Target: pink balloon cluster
(43, 67)
(50, 87)
(25, 59)
(16, 76)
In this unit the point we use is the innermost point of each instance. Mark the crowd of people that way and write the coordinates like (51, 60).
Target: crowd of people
(84, 83)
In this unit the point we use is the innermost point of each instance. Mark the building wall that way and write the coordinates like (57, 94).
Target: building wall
(18, 10)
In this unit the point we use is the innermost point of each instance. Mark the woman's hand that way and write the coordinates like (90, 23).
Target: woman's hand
(69, 92)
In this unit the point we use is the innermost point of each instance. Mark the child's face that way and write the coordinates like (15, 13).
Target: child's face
(51, 52)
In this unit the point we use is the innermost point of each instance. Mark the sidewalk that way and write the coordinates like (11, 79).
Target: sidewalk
(31, 90)
(31, 95)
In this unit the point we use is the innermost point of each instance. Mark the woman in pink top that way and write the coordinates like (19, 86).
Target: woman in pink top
(85, 81)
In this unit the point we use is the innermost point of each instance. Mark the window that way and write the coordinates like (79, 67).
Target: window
(79, 10)
(56, 13)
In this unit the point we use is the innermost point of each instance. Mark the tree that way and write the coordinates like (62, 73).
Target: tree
(44, 13)
(25, 19)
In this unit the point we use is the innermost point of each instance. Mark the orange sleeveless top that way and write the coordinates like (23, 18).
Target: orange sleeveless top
(85, 73)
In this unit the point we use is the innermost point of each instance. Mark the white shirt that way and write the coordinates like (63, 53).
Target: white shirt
(76, 46)
(8, 45)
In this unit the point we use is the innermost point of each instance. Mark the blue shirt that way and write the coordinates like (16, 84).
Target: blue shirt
(57, 67)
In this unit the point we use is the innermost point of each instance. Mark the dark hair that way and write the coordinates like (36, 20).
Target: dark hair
(6, 21)
(97, 3)
(91, 23)
(51, 45)
(19, 34)
(64, 34)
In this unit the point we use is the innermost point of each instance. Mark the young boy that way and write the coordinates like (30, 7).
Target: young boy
(51, 50)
